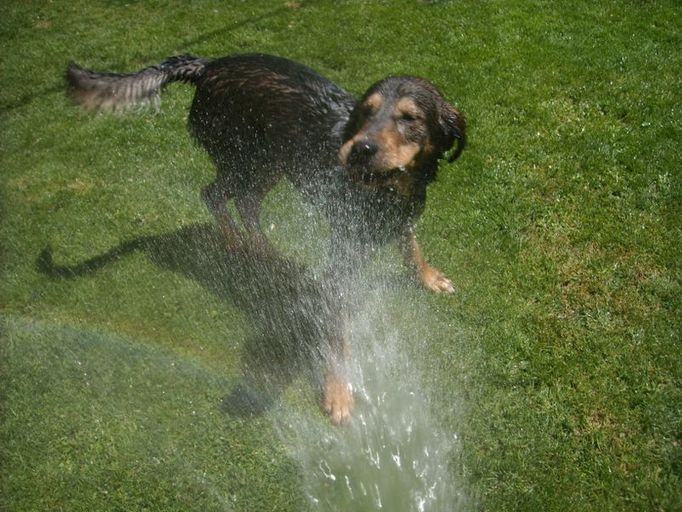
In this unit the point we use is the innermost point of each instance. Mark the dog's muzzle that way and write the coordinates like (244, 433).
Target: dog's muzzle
(362, 153)
(361, 165)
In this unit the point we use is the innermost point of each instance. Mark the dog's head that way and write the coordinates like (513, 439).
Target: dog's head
(397, 132)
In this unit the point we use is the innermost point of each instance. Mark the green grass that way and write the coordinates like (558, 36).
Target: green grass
(561, 227)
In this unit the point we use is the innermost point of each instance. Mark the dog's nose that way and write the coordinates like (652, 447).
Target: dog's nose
(362, 152)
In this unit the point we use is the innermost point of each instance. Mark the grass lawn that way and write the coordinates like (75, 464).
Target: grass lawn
(561, 226)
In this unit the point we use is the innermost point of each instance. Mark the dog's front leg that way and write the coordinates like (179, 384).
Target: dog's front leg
(426, 275)
(337, 399)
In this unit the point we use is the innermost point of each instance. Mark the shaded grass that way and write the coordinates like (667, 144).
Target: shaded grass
(102, 421)
(560, 226)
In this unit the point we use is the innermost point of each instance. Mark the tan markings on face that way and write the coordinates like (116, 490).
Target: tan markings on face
(407, 106)
(398, 149)
(395, 149)
(374, 102)
(344, 151)
(404, 183)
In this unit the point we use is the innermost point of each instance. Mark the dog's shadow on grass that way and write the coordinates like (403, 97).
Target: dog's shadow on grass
(291, 311)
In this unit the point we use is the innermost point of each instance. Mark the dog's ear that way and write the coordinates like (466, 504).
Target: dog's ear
(453, 130)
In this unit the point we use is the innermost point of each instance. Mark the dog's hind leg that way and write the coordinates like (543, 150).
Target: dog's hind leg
(216, 196)
(249, 206)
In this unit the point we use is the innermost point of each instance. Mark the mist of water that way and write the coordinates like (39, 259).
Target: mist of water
(393, 455)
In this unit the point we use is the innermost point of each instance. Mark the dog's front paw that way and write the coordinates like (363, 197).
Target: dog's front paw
(436, 281)
(338, 399)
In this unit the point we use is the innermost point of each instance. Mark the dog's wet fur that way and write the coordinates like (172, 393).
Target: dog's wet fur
(366, 163)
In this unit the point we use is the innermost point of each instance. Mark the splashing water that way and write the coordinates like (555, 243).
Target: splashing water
(392, 456)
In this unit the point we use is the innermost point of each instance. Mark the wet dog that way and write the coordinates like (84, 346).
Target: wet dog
(365, 163)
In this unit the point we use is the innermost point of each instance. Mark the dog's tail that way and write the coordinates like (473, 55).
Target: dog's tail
(121, 91)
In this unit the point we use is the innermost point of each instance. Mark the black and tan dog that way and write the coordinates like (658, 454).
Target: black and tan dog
(366, 163)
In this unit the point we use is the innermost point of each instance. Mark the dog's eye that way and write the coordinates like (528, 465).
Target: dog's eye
(408, 117)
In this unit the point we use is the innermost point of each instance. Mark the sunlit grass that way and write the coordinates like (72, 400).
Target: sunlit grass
(560, 225)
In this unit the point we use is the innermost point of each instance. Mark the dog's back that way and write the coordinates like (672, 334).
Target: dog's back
(258, 116)
(260, 113)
